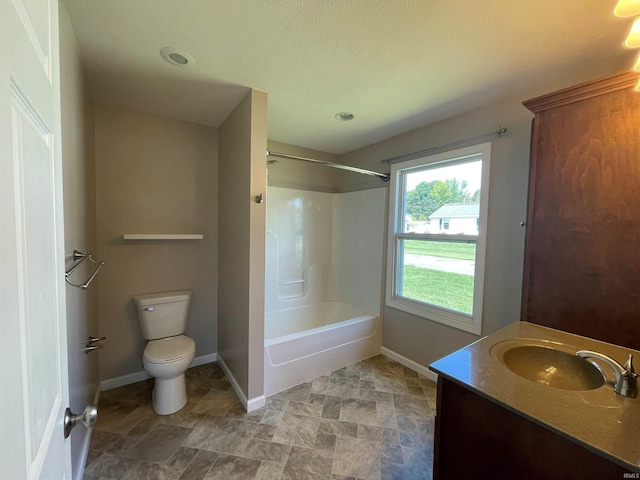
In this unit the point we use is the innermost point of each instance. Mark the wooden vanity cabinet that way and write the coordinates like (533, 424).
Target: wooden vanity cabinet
(477, 438)
(582, 251)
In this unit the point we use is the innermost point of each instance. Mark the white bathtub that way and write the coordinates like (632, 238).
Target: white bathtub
(306, 341)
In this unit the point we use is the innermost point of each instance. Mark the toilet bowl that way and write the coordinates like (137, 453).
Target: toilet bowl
(168, 354)
(166, 360)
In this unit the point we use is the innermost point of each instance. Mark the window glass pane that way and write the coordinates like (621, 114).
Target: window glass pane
(436, 237)
(437, 272)
(442, 198)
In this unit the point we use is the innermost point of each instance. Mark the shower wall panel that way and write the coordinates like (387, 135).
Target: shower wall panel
(324, 247)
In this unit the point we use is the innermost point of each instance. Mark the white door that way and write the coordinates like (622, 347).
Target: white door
(33, 358)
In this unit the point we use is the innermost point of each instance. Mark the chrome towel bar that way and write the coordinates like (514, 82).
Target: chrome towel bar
(79, 258)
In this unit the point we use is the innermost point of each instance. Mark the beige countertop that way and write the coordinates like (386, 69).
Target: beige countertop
(599, 419)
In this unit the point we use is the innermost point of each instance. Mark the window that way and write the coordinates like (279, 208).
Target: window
(437, 236)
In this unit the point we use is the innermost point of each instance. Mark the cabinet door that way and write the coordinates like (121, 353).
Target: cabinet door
(476, 438)
(582, 255)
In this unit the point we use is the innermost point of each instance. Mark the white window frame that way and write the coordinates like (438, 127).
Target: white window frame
(462, 321)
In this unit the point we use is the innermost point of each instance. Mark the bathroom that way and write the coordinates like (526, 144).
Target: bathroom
(130, 171)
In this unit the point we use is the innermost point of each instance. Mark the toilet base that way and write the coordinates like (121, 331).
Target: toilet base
(169, 395)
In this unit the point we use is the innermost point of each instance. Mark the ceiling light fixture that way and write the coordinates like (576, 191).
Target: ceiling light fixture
(344, 116)
(633, 39)
(627, 8)
(177, 57)
(631, 8)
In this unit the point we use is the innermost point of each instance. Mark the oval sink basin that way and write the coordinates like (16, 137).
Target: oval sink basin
(553, 367)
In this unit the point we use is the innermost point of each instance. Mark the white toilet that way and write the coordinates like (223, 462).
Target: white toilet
(168, 354)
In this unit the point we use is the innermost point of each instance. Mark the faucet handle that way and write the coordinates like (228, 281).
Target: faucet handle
(628, 385)
(629, 365)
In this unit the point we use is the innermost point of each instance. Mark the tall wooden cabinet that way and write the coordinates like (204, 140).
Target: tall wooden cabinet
(582, 253)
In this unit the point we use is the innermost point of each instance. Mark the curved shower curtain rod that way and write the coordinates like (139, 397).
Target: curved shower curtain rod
(382, 176)
(385, 176)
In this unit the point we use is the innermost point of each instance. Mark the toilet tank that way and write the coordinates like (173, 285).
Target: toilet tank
(163, 314)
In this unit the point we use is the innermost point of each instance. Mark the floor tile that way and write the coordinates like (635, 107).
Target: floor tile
(217, 403)
(111, 466)
(309, 463)
(303, 408)
(358, 411)
(264, 431)
(199, 465)
(268, 451)
(129, 441)
(378, 434)
(298, 393)
(272, 417)
(391, 453)
(416, 407)
(270, 471)
(229, 467)
(357, 458)
(331, 407)
(152, 471)
(160, 444)
(103, 441)
(297, 430)
(113, 416)
(325, 441)
(226, 442)
(372, 420)
(182, 457)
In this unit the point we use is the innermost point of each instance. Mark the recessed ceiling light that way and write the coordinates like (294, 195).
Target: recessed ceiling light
(344, 116)
(177, 57)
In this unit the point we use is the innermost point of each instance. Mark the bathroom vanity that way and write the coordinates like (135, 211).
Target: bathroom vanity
(519, 404)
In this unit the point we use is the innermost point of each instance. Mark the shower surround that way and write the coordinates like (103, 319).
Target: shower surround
(323, 282)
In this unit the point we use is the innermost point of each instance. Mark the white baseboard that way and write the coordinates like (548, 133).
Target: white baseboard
(116, 382)
(143, 375)
(249, 404)
(421, 369)
(212, 357)
(256, 403)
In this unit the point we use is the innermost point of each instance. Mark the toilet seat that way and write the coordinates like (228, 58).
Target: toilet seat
(166, 350)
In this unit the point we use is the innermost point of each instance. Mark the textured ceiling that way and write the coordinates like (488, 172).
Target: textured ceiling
(396, 64)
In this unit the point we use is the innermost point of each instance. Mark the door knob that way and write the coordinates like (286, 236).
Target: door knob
(88, 417)
(90, 348)
(95, 339)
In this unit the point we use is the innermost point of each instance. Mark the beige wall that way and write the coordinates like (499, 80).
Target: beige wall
(243, 143)
(153, 175)
(79, 228)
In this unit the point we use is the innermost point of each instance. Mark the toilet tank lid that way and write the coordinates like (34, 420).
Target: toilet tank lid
(162, 297)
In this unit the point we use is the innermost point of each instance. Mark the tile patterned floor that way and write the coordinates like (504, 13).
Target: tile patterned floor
(372, 420)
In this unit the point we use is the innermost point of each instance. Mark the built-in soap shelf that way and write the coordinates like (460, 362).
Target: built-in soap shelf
(163, 236)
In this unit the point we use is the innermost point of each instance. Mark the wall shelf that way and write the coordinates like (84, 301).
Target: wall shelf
(162, 236)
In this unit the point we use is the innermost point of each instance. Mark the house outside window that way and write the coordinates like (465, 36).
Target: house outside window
(457, 218)
(437, 236)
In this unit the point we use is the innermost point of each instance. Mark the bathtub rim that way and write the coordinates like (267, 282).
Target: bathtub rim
(316, 330)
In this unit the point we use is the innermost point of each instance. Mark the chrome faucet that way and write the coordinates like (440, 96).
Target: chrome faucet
(626, 378)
